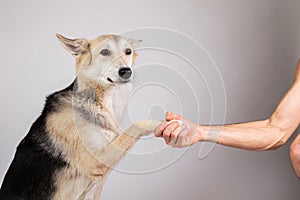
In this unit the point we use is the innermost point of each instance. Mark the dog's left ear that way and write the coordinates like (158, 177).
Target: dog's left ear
(135, 42)
(74, 46)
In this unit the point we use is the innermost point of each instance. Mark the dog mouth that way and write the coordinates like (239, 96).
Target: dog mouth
(109, 79)
(119, 81)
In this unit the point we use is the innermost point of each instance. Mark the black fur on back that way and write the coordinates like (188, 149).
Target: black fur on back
(32, 171)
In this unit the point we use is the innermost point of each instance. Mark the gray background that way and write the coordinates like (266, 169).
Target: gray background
(255, 45)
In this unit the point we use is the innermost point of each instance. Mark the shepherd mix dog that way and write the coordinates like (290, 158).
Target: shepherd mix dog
(76, 141)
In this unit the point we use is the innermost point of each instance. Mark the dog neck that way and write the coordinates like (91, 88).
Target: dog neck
(116, 100)
(111, 98)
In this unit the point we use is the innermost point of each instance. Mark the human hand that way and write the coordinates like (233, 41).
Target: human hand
(178, 131)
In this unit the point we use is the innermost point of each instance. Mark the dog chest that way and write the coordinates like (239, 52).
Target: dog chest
(117, 99)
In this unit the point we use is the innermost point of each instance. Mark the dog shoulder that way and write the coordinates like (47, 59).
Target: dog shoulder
(75, 120)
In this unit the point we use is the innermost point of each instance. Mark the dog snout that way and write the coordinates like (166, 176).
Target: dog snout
(125, 72)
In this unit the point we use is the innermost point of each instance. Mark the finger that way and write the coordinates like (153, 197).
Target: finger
(167, 132)
(171, 116)
(175, 133)
(159, 129)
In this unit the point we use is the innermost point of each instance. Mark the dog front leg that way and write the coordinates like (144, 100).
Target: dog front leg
(112, 154)
(92, 192)
(98, 164)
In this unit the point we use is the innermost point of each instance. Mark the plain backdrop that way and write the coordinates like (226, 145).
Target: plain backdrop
(253, 47)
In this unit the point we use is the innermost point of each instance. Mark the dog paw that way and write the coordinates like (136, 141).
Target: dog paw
(144, 127)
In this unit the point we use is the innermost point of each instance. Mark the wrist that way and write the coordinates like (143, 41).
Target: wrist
(201, 133)
(206, 133)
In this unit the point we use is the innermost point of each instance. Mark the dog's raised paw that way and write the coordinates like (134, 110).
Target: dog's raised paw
(144, 127)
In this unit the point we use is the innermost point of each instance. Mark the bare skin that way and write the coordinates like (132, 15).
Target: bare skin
(268, 134)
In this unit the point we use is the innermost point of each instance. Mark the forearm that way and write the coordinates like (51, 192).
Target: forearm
(259, 135)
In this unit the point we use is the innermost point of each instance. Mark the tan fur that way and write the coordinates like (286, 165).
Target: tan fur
(85, 169)
(92, 150)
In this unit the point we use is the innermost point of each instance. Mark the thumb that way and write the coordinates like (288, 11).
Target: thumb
(172, 116)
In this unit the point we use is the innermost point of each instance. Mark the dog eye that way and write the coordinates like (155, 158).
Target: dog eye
(105, 52)
(127, 51)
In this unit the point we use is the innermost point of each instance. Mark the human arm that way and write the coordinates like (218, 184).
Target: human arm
(265, 134)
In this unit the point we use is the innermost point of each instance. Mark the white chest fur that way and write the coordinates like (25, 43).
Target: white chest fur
(116, 100)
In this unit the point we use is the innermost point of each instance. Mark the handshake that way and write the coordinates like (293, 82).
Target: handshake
(178, 131)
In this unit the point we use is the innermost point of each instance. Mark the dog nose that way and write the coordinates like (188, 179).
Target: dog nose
(125, 72)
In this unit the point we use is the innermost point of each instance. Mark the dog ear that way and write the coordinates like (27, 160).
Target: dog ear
(74, 46)
(135, 42)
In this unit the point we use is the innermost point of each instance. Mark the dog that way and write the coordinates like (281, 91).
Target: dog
(76, 141)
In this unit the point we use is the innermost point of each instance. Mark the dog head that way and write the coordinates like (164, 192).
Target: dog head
(107, 59)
